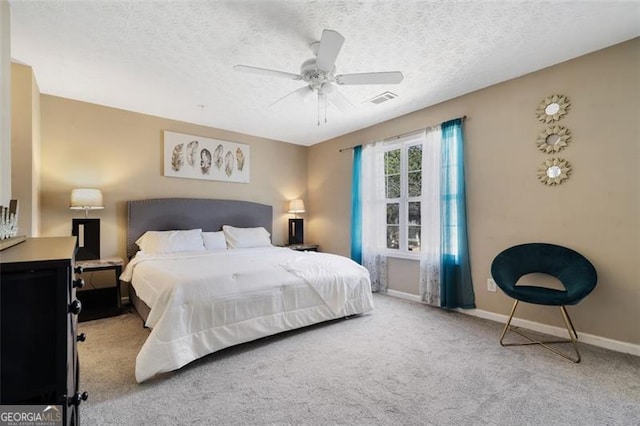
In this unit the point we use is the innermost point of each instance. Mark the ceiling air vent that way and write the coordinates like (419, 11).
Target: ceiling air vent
(382, 97)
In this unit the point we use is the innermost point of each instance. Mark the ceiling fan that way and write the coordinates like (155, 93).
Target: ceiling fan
(320, 75)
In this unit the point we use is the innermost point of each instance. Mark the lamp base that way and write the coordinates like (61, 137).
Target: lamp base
(296, 231)
(87, 232)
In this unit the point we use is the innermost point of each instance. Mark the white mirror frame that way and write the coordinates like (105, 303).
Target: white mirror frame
(564, 136)
(554, 171)
(561, 107)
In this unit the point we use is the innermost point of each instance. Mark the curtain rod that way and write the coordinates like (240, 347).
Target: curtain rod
(463, 118)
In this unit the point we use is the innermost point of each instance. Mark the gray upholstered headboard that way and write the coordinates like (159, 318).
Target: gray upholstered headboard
(163, 214)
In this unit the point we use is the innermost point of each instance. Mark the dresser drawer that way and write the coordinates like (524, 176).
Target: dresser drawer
(38, 326)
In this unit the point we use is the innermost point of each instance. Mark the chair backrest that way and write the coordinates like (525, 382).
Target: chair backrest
(575, 272)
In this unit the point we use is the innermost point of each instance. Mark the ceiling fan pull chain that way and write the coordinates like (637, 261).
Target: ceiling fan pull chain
(325, 108)
(318, 108)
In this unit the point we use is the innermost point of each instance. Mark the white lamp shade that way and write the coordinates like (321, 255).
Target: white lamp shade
(296, 206)
(86, 199)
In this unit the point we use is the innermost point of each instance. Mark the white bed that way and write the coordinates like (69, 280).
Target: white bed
(203, 301)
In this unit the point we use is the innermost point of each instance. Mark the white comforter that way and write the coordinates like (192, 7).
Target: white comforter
(202, 302)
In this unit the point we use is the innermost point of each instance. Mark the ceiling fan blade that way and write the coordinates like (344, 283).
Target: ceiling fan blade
(330, 45)
(304, 93)
(336, 98)
(267, 72)
(389, 77)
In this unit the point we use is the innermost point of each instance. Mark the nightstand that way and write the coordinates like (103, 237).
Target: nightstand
(100, 302)
(303, 247)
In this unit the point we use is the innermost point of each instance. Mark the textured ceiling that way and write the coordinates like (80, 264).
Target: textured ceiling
(166, 58)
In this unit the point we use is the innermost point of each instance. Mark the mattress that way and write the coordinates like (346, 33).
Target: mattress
(201, 302)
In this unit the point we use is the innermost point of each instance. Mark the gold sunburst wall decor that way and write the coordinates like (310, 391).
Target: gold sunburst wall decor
(554, 171)
(553, 108)
(553, 139)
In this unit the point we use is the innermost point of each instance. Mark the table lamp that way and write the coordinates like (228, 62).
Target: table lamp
(86, 230)
(296, 233)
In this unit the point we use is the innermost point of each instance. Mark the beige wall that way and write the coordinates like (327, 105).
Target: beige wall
(595, 212)
(120, 152)
(5, 103)
(25, 147)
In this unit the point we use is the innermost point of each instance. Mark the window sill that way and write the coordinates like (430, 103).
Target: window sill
(407, 256)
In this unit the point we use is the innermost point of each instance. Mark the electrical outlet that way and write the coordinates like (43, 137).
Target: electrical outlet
(491, 285)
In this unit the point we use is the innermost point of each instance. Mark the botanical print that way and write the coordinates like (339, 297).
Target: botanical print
(217, 156)
(176, 158)
(205, 161)
(195, 157)
(192, 149)
(228, 163)
(240, 157)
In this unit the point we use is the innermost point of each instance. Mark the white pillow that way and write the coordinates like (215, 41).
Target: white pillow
(160, 242)
(214, 240)
(246, 237)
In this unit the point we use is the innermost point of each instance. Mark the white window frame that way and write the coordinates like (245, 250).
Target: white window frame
(403, 144)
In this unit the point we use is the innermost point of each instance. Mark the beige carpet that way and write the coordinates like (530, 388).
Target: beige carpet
(403, 364)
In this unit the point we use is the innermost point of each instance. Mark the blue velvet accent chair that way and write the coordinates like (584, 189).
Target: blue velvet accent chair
(573, 270)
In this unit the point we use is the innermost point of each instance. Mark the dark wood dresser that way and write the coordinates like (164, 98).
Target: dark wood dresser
(38, 326)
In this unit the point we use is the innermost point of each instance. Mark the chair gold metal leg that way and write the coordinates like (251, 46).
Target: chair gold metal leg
(573, 336)
(565, 314)
(506, 326)
(574, 340)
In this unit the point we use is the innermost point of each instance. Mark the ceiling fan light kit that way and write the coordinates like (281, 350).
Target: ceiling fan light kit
(319, 74)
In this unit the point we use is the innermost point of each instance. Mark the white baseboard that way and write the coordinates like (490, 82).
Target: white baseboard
(403, 295)
(591, 339)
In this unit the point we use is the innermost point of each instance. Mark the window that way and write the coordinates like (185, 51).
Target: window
(403, 191)
(413, 206)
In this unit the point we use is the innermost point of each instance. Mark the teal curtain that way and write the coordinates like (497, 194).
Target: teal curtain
(356, 206)
(456, 287)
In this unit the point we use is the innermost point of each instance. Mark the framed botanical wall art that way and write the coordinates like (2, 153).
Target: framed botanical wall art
(195, 157)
